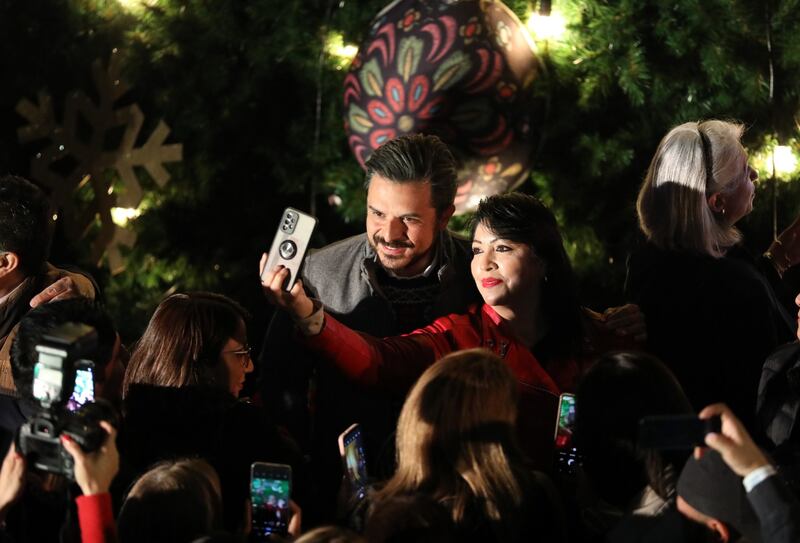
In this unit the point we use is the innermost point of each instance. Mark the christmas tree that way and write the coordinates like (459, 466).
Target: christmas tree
(253, 92)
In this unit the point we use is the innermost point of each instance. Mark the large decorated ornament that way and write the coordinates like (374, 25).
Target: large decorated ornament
(81, 138)
(457, 69)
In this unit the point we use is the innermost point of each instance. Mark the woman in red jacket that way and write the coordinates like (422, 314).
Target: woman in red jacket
(530, 317)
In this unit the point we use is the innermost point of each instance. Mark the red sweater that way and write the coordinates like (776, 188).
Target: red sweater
(395, 363)
(96, 518)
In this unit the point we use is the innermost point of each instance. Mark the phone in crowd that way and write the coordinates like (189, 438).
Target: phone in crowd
(675, 432)
(567, 457)
(270, 490)
(351, 448)
(291, 243)
(83, 391)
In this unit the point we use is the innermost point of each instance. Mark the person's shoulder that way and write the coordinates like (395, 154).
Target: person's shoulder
(690, 270)
(347, 245)
(472, 315)
(84, 282)
(330, 273)
(784, 353)
(164, 404)
(343, 250)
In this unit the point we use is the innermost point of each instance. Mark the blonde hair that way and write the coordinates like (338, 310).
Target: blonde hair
(455, 436)
(693, 161)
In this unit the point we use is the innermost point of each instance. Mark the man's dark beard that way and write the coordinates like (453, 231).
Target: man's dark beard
(377, 240)
(391, 262)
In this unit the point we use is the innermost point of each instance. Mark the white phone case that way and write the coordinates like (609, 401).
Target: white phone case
(291, 243)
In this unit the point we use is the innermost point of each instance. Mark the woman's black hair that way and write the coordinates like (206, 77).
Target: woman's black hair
(522, 218)
(613, 396)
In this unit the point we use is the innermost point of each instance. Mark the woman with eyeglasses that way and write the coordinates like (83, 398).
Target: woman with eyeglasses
(713, 311)
(196, 339)
(180, 398)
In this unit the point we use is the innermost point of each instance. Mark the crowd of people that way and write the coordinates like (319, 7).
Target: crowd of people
(453, 355)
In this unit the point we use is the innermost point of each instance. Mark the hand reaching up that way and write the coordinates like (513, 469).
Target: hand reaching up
(12, 479)
(733, 442)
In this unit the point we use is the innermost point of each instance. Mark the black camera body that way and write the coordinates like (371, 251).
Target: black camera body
(60, 353)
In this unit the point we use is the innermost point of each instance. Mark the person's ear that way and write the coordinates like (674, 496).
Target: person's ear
(720, 529)
(716, 202)
(9, 263)
(444, 217)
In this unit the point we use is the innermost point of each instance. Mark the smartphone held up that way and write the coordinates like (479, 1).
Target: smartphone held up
(676, 432)
(351, 449)
(270, 491)
(290, 244)
(567, 457)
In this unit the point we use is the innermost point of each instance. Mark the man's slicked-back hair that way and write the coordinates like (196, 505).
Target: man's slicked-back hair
(417, 158)
(44, 319)
(25, 227)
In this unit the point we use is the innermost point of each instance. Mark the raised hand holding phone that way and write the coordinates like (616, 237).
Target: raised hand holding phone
(280, 268)
(676, 432)
(271, 507)
(732, 441)
(295, 302)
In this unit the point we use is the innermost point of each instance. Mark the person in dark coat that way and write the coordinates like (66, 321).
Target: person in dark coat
(180, 399)
(713, 312)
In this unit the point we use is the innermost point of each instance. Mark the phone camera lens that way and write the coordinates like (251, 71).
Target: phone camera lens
(287, 249)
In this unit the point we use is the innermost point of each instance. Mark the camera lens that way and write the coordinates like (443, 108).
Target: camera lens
(287, 249)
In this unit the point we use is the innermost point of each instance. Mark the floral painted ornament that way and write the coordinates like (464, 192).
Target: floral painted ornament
(458, 69)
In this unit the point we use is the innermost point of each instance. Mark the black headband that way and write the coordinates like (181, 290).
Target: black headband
(705, 143)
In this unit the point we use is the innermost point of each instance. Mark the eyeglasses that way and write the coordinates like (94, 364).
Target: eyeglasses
(245, 354)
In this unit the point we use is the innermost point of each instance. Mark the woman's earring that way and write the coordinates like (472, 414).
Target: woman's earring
(545, 279)
(723, 211)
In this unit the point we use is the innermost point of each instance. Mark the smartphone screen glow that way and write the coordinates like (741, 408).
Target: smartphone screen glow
(355, 462)
(83, 392)
(270, 490)
(566, 422)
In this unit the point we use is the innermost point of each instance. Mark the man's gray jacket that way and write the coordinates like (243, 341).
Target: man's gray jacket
(342, 277)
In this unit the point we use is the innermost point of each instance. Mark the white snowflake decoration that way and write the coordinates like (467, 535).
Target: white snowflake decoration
(93, 160)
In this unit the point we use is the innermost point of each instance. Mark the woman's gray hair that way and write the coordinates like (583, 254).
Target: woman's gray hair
(673, 201)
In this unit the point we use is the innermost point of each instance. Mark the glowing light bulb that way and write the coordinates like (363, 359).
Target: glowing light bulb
(547, 27)
(136, 5)
(785, 160)
(342, 53)
(121, 215)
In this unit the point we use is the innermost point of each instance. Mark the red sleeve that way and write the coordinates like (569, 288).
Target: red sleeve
(393, 362)
(96, 518)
